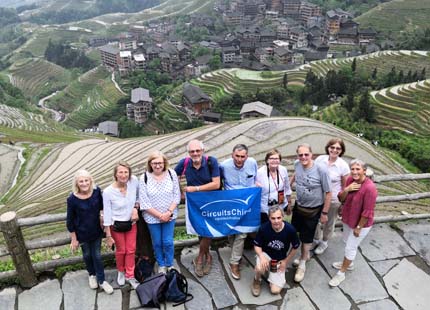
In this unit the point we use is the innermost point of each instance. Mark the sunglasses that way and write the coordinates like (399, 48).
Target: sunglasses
(303, 155)
(335, 148)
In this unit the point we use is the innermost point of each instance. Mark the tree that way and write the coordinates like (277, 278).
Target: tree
(365, 110)
(285, 80)
(354, 65)
(215, 62)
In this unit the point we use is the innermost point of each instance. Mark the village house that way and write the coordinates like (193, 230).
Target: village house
(257, 109)
(140, 106)
(195, 99)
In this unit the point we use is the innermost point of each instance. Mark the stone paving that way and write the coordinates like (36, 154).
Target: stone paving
(391, 272)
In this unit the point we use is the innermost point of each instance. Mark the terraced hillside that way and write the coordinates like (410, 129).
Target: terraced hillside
(18, 119)
(46, 189)
(37, 76)
(228, 81)
(405, 107)
(167, 8)
(393, 17)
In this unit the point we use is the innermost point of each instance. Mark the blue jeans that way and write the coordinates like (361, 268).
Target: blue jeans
(162, 241)
(93, 259)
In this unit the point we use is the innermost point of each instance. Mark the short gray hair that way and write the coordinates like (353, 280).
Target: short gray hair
(306, 145)
(273, 209)
(359, 162)
(202, 146)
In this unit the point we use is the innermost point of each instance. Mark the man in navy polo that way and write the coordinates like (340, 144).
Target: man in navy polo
(202, 174)
(239, 171)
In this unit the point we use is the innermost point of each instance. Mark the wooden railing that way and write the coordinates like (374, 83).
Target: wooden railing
(19, 249)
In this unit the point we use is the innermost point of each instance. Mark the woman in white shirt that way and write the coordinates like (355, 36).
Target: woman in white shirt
(274, 183)
(338, 171)
(159, 198)
(120, 214)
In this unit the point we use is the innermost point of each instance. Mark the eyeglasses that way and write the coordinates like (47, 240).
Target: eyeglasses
(335, 148)
(303, 155)
(194, 151)
(274, 158)
(157, 164)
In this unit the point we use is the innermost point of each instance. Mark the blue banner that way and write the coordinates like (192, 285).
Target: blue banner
(223, 213)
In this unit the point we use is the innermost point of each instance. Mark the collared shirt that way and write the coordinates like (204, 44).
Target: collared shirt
(201, 176)
(336, 171)
(117, 206)
(270, 188)
(359, 204)
(243, 177)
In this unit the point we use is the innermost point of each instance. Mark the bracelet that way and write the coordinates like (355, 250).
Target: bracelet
(198, 188)
(324, 213)
(109, 236)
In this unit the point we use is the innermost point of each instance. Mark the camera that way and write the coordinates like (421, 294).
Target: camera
(272, 202)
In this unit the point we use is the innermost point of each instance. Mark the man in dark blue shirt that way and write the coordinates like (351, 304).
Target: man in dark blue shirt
(271, 245)
(202, 174)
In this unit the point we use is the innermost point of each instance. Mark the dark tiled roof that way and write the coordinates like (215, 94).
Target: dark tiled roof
(194, 94)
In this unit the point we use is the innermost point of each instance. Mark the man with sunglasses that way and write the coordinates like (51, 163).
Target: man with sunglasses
(239, 171)
(202, 174)
(312, 203)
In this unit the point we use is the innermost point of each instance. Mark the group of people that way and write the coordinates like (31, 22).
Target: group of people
(325, 188)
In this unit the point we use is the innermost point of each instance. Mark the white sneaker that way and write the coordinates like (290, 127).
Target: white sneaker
(322, 246)
(296, 262)
(92, 282)
(338, 266)
(107, 288)
(133, 282)
(162, 269)
(337, 279)
(300, 275)
(121, 278)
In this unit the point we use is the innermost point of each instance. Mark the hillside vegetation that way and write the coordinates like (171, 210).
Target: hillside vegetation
(37, 77)
(393, 17)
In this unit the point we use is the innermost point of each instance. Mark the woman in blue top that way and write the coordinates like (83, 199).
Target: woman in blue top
(83, 222)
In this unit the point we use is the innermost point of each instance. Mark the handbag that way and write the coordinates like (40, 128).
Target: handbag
(307, 212)
(122, 226)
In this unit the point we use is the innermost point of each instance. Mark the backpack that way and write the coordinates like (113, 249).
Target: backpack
(177, 288)
(143, 269)
(151, 291)
(172, 286)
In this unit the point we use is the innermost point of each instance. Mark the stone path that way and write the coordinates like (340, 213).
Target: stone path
(391, 272)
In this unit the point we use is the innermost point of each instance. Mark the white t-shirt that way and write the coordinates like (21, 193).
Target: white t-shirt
(336, 171)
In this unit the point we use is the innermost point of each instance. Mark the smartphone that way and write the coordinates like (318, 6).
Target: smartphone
(113, 247)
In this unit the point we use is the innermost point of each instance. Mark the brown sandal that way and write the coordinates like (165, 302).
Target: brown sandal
(207, 267)
(198, 268)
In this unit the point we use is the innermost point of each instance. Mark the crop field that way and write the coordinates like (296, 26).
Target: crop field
(395, 16)
(37, 76)
(164, 9)
(75, 93)
(405, 107)
(46, 188)
(229, 81)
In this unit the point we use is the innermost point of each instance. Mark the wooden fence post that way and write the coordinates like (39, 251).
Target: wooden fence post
(16, 247)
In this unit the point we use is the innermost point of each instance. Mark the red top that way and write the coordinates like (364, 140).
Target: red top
(359, 203)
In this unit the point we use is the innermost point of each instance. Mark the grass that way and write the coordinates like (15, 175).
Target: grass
(17, 135)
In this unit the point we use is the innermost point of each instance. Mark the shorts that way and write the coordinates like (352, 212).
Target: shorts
(276, 278)
(306, 226)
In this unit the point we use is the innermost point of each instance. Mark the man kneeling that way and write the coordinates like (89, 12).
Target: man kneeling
(271, 246)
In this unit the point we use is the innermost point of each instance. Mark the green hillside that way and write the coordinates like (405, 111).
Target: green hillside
(393, 17)
(37, 77)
